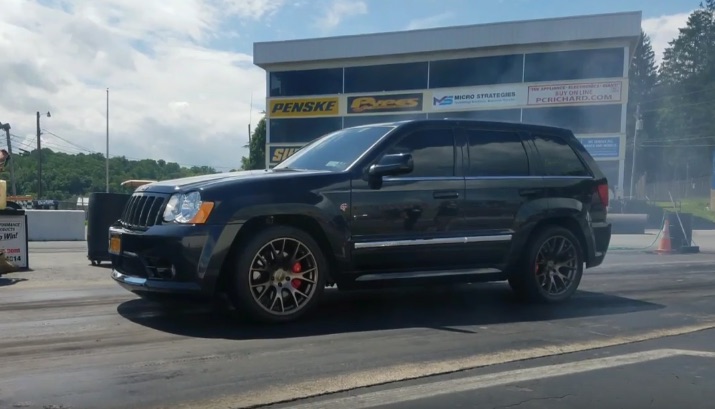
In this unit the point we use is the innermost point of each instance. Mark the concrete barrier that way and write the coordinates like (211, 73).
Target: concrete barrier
(624, 223)
(55, 225)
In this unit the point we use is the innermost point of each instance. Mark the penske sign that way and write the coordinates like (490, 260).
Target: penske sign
(278, 108)
(369, 104)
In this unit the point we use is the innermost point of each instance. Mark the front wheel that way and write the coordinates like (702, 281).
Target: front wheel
(551, 268)
(279, 275)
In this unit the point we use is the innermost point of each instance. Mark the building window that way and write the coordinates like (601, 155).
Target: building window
(502, 69)
(351, 121)
(301, 130)
(433, 153)
(306, 82)
(579, 119)
(390, 77)
(574, 65)
(502, 115)
(493, 153)
(558, 158)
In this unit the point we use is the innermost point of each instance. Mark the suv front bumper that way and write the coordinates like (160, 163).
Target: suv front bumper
(169, 259)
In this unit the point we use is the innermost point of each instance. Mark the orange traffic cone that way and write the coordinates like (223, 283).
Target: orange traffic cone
(664, 247)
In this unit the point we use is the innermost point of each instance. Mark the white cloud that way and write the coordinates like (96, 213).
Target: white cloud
(338, 11)
(662, 30)
(171, 97)
(429, 22)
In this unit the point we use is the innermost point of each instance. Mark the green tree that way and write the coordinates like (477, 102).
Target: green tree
(256, 148)
(687, 78)
(66, 176)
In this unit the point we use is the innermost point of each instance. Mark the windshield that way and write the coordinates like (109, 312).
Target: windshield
(335, 152)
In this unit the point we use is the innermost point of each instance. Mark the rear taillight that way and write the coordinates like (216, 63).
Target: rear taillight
(603, 193)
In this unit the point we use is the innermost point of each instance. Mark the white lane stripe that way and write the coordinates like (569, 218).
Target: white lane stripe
(423, 391)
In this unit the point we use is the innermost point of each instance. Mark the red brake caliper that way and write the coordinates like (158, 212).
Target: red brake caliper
(297, 268)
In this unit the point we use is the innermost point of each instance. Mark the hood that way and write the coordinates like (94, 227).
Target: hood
(193, 182)
(199, 182)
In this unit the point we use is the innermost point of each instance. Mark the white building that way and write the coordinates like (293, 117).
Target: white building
(569, 72)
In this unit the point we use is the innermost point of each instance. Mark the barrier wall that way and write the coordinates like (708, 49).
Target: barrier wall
(56, 225)
(627, 223)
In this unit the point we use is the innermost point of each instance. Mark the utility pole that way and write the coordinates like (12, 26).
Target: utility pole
(39, 156)
(106, 171)
(39, 159)
(6, 127)
(638, 127)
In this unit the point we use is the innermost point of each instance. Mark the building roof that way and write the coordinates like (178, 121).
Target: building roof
(612, 26)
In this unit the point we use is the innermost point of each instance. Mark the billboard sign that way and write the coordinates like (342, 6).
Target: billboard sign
(479, 97)
(300, 107)
(371, 104)
(603, 148)
(605, 92)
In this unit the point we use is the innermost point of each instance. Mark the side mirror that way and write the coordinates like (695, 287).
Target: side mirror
(390, 165)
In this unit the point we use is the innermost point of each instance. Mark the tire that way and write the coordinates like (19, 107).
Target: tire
(268, 258)
(529, 280)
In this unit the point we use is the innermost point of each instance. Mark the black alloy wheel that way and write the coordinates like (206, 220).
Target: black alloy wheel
(552, 267)
(279, 276)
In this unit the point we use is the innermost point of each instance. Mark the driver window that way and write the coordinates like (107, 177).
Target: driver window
(432, 152)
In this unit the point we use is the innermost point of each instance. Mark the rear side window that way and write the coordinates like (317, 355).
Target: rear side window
(558, 157)
(496, 153)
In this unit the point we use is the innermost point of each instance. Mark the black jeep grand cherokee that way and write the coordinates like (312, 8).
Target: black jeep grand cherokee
(417, 202)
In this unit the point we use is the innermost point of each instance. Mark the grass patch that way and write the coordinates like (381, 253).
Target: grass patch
(697, 207)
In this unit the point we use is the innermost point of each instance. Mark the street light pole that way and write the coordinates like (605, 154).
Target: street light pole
(39, 159)
(106, 171)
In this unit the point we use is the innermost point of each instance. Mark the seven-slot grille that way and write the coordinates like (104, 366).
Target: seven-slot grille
(143, 210)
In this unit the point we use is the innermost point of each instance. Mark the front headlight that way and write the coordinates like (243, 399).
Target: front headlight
(187, 208)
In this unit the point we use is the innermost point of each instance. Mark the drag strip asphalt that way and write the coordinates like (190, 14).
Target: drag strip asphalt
(71, 338)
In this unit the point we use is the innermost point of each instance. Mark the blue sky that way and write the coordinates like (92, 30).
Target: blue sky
(301, 19)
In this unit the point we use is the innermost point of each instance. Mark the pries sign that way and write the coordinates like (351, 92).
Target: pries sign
(369, 104)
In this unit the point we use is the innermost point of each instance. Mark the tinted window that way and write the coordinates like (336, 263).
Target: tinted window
(390, 77)
(336, 151)
(297, 130)
(558, 157)
(502, 69)
(432, 152)
(493, 153)
(306, 82)
(579, 119)
(503, 115)
(376, 119)
(574, 65)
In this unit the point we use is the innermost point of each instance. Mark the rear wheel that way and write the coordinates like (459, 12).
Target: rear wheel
(551, 268)
(279, 275)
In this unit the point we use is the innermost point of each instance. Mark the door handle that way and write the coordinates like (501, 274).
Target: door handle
(446, 195)
(529, 192)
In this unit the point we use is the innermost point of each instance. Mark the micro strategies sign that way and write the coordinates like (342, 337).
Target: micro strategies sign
(303, 107)
(525, 95)
(479, 98)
